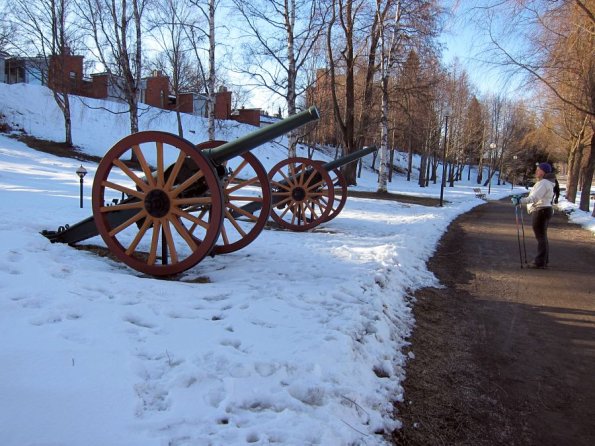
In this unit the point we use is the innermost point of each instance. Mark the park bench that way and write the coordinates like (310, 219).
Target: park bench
(479, 193)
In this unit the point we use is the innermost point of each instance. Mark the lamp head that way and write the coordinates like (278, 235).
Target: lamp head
(81, 172)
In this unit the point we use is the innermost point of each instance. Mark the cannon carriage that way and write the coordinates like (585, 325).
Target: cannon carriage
(179, 202)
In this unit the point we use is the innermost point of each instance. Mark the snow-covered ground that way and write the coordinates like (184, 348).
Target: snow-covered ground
(297, 339)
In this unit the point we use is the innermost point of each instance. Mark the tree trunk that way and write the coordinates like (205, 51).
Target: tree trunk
(67, 121)
(409, 155)
(575, 159)
(587, 177)
(211, 80)
(382, 169)
(422, 170)
(179, 120)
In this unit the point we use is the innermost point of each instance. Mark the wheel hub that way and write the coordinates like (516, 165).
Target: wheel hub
(157, 203)
(298, 194)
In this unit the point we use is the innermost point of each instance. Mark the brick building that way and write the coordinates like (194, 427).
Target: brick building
(65, 73)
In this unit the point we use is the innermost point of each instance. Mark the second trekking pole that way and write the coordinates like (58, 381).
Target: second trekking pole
(523, 230)
(517, 208)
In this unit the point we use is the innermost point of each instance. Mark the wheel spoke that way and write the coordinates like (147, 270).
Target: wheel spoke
(124, 189)
(289, 180)
(241, 211)
(141, 214)
(186, 184)
(175, 171)
(154, 242)
(311, 209)
(144, 165)
(238, 170)
(282, 202)
(184, 233)
(235, 223)
(122, 207)
(173, 253)
(160, 167)
(281, 185)
(141, 233)
(199, 218)
(312, 175)
(140, 183)
(316, 185)
(191, 218)
(242, 184)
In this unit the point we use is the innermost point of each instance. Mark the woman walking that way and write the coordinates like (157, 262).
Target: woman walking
(539, 206)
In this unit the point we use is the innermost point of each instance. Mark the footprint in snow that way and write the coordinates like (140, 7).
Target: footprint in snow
(138, 322)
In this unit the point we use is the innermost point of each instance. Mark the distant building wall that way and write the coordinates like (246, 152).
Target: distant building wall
(2, 69)
(185, 102)
(66, 73)
(157, 91)
(223, 104)
(247, 116)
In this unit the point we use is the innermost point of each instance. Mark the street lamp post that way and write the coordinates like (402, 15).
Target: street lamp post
(443, 181)
(81, 172)
(514, 157)
(492, 148)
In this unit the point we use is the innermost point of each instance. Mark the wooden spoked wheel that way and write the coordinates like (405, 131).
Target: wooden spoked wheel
(340, 189)
(164, 219)
(302, 194)
(246, 201)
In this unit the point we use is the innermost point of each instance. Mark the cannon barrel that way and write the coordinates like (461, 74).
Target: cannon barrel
(344, 160)
(231, 149)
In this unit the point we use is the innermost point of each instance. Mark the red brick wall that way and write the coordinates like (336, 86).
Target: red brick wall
(157, 91)
(248, 116)
(223, 105)
(97, 88)
(59, 76)
(185, 102)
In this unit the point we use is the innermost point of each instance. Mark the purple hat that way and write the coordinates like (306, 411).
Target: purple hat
(545, 167)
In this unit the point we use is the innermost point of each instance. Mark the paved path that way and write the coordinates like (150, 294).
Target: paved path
(504, 355)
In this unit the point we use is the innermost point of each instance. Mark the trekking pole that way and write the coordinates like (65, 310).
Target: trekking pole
(523, 227)
(518, 232)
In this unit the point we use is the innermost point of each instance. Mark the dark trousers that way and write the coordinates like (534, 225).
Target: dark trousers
(540, 221)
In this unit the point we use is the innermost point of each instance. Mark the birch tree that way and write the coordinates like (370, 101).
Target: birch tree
(208, 10)
(116, 30)
(280, 38)
(45, 27)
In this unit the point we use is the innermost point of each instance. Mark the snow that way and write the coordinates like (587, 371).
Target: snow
(297, 339)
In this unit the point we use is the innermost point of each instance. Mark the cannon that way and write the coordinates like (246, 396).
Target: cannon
(160, 202)
(305, 192)
(311, 192)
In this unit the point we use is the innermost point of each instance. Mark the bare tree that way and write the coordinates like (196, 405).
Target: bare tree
(281, 36)
(167, 23)
(198, 34)
(409, 31)
(560, 56)
(45, 28)
(347, 17)
(8, 28)
(116, 30)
